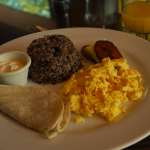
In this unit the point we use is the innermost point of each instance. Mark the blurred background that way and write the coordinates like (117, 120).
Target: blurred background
(17, 15)
(37, 7)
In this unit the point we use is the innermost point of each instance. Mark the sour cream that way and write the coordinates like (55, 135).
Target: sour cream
(9, 66)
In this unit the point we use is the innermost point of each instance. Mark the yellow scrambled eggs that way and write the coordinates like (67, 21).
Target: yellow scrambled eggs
(79, 119)
(101, 88)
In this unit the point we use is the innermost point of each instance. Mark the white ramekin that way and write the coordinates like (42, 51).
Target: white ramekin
(18, 77)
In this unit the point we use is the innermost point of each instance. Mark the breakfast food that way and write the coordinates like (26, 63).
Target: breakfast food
(66, 115)
(54, 59)
(36, 108)
(102, 88)
(89, 52)
(84, 51)
(10, 65)
(100, 50)
(79, 119)
(104, 49)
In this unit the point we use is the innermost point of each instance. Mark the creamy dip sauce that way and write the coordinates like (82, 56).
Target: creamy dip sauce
(9, 66)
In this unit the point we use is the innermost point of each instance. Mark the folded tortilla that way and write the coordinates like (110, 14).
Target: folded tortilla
(34, 107)
(66, 115)
(51, 134)
(63, 122)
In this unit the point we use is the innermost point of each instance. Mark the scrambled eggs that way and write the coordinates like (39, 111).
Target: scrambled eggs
(102, 87)
(79, 119)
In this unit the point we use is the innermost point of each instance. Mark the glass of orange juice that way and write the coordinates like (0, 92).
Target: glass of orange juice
(136, 17)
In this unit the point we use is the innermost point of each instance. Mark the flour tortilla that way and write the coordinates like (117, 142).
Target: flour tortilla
(34, 107)
(66, 115)
(63, 122)
(51, 134)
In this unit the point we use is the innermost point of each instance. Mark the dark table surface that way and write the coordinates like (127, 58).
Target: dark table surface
(14, 24)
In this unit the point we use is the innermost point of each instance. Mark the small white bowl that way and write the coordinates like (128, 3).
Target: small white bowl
(18, 77)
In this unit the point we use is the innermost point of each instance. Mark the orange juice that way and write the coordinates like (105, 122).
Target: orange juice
(136, 17)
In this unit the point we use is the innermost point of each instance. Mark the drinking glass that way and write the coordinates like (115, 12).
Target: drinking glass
(136, 17)
(100, 13)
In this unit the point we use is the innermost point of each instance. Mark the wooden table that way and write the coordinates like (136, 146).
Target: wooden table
(14, 24)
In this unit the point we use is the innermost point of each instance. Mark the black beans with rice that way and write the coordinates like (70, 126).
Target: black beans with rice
(54, 59)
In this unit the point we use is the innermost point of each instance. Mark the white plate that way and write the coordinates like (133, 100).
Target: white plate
(96, 133)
